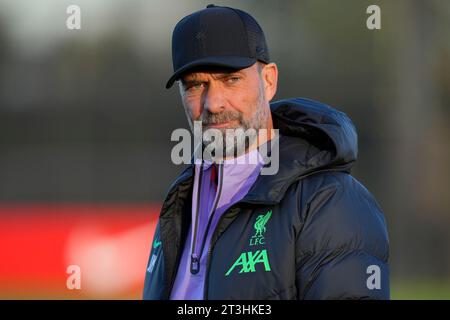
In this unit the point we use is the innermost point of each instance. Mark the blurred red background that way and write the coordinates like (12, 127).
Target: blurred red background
(109, 242)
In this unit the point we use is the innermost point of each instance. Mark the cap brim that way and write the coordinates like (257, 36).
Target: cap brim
(231, 62)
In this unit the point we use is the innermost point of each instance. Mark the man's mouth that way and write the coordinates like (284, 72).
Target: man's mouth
(219, 125)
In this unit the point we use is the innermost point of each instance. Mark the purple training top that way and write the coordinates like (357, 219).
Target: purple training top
(235, 177)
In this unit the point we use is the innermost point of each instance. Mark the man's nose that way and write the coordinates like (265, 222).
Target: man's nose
(214, 99)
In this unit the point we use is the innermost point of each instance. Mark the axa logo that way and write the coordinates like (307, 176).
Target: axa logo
(247, 262)
(260, 228)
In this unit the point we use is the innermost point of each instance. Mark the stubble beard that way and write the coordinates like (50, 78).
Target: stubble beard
(234, 141)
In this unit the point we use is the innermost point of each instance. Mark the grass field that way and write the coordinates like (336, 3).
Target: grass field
(400, 290)
(420, 289)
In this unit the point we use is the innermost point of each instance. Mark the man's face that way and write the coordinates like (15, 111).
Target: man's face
(226, 99)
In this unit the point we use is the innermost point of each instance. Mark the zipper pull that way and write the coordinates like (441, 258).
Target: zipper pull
(195, 264)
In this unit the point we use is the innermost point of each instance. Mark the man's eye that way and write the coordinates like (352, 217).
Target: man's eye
(194, 86)
(233, 79)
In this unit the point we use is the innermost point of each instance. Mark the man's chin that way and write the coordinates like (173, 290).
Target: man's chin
(223, 127)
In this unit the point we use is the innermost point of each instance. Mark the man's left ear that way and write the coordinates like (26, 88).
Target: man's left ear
(270, 78)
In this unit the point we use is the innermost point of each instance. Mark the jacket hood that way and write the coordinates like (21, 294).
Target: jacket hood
(320, 125)
(313, 137)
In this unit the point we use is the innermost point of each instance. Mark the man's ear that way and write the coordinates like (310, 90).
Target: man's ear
(180, 88)
(269, 75)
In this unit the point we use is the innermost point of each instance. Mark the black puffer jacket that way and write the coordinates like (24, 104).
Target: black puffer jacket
(324, 238)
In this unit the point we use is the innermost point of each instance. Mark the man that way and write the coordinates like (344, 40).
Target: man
(226, 231)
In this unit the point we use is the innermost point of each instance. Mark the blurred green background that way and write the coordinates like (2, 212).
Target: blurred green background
(85, 117)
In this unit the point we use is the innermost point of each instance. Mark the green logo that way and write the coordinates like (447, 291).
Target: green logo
(260, 228)
(248, 260)
(156, 244)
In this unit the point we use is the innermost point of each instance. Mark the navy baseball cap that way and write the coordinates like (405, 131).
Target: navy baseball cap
(216, 37)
